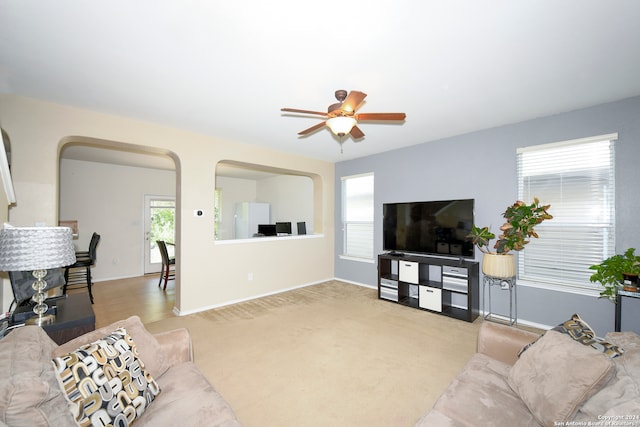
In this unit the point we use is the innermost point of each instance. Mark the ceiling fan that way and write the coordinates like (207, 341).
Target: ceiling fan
(342, 118)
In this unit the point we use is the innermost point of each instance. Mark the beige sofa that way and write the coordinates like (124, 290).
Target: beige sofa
(31, 394)
(557, 381)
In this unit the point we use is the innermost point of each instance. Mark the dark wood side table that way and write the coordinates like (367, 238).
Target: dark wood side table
(74, 317)
(621, 294)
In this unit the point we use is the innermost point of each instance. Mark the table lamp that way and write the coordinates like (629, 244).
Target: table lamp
(36, 249)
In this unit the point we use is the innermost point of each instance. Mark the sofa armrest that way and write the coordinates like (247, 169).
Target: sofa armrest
(176, 345)
(502, 342)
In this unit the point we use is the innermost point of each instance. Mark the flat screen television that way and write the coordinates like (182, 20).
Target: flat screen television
(432, 227)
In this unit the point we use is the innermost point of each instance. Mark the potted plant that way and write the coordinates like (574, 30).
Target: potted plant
(521, 219)
(617, 271)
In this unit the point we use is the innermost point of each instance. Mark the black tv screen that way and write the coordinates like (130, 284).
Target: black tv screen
(283, 227)
(267, 229)
(433, 227)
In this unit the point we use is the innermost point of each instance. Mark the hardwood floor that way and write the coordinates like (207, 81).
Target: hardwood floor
(119, 299)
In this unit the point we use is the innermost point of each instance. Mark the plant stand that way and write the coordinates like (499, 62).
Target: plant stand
(504, 283)
(618, 319)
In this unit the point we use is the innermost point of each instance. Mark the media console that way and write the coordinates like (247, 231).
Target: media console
(442, 285)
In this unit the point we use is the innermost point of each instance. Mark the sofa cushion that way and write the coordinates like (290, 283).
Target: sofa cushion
(29, 391)
(148, 347)
(556, 375)
(105, 381)
(480, 396)
(621, 396)
(188, 399)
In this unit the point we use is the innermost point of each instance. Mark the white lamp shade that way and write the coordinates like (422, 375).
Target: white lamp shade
(341, 125)
(36, 248)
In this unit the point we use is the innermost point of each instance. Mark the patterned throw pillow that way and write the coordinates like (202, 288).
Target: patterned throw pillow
(581, 332)
(105, 382)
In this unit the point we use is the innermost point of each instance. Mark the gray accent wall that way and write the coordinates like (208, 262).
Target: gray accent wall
(482, 165)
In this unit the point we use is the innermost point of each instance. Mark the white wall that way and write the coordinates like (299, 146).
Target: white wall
(233, 190)
(109, 199)
(209, 273)
(291, 199)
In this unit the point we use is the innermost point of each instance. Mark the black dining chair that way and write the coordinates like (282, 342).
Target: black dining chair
(78, 275)
(167, 273)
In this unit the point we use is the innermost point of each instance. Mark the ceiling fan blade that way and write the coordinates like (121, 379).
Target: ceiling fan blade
(353, 101)
(380, 116)
(312, 129)
(356, 133)
(295, 110)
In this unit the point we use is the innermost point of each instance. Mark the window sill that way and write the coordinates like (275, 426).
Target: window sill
(267, 239)
(586, 291)
(352, 258)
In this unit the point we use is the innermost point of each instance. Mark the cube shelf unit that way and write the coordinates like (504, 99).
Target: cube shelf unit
(450, 287)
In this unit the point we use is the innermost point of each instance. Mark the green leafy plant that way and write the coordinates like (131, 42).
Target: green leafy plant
(610, 272)
(521, 219)
(162, 225)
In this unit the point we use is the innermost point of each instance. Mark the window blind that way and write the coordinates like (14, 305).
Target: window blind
(577, 178)
(357, 216)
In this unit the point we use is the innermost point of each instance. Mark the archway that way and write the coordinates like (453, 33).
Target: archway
(111, 199)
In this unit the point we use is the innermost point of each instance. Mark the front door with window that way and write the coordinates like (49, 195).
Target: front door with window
(159, 225)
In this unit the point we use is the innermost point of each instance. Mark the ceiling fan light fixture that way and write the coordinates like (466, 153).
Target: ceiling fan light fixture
(341, 125)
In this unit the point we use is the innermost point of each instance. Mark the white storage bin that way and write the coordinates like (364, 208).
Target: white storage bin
(454, 283)
(454, 271)
(409, 272)
(430, 298)
(389, 283)
(390, 294)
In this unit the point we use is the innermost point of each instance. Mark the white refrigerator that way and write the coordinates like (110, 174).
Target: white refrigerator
(247, 217)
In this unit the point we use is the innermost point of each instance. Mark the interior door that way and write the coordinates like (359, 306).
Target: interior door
(159, 219)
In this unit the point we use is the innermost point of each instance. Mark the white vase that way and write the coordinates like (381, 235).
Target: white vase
(502, 266)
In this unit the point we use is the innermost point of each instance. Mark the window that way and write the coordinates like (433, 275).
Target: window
(357, 216)
(577, 179)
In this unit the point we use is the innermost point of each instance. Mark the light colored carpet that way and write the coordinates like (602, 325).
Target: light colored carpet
(328, 354)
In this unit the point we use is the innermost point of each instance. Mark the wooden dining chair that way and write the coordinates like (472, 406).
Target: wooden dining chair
(167, 273)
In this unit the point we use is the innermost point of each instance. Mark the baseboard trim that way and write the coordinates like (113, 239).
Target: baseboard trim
(523, 322)
(236, 301)
(351, 282)
(95, 280)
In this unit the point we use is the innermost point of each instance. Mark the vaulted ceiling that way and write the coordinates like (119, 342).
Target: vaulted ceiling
(226, 68)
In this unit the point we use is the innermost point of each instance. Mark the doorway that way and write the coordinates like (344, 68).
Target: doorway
(159, 224)
(115, 196)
